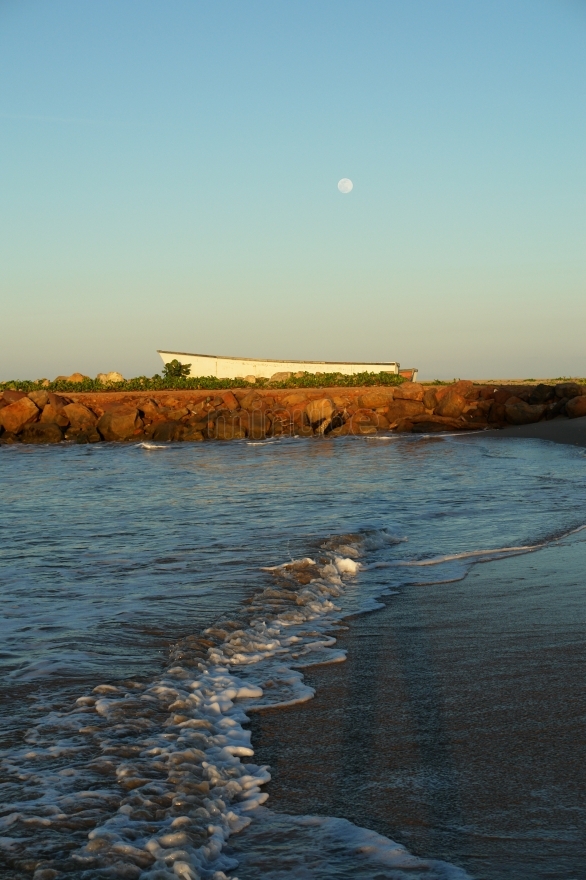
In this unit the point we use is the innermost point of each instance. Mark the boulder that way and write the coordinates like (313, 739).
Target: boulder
(104, 378)
(191, 435)
(496, 413)
(42, 432)
(259, 425)
(39, 398)
(431, 425)
(252, 400)
(409, 391)
(451, 405)
(169, 430)
(81, 419)
(430, 400)
(281, 377)
(53, 414)
(296, 398)
(521, 413)
(13, 396)
(229, 429)
(541, 394)
(7, 438)
(16, 415)
(318, 410)
(75, 378)
(569, 389)
(376, 397)
(576, 407)
(230, 401)
(402, 409)
(250, 379)
(121, 423)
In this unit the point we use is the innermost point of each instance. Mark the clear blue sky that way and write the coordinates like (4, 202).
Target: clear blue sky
(168, 179)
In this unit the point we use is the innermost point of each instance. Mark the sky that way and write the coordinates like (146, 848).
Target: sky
(168, 180)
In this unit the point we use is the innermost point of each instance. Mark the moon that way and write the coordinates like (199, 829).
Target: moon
(345, 185)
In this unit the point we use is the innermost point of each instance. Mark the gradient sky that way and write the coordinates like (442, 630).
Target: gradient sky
(168, 179)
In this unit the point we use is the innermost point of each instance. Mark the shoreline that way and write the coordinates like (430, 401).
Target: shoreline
(571, 432)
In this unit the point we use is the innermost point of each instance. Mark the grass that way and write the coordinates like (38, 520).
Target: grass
(201, 383)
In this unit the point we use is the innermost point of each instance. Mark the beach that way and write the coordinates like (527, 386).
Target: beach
(294, 657)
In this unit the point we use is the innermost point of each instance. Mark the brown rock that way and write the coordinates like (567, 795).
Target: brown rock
(430, 400)
(230, 401)
(76, 377)
(121, 423)
(409, 391)
(229, 429)
(151, 411)
(452, 405)
(13, 396)
(42, 432)
(496, 413)
(376, 397)
(54, 415)
(16, 415)
(402, 409)
(318, 410)
(104, 378)
(39, 398)
(192, 435)
(297, 398)
(81, 419)
(522, 413)
(433, 425)
(7, 438)
(568, 389)
(170, 430)
(259, 425)
(252, 400)
(576, 407)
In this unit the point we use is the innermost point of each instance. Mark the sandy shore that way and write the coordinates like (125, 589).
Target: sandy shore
(572, 431)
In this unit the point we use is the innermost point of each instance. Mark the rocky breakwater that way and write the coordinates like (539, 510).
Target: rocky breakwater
(92, 417)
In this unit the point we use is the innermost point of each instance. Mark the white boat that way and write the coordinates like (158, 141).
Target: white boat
(234, 368)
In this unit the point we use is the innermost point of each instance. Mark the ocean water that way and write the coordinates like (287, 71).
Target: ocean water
(166, 608)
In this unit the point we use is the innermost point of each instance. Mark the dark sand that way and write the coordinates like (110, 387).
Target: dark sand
(457, 725)
(562, 430)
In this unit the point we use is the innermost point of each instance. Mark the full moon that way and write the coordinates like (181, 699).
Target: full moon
(345, 185)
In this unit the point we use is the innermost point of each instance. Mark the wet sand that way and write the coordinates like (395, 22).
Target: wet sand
(562, 430)
(457, 726)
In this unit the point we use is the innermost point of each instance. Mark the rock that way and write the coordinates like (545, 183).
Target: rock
(192, 435)
(230, 401)
(44, 382)
(16, 415)
(75, 377)
(376, 397)
(318, 410)
(81, 419)
(54, 415)
(362, 422)
(7, 438)
(259, 425)
(229, 429)
(430, 400)
(151, 410)
(569, 389)
(402, 409)
(281, 377)
(252, 400)
(434, 426)
(42, 432)
(13, 396)
(121, 423)
(541, 394)
(452, 405)
(576, 407)
(104, 378)
(297, 398)
(522, 413)
(496, 413)
(170, 430)
(250, 379)
(409, 391)
(39, 398)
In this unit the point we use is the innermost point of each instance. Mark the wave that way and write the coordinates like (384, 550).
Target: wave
(151, 779)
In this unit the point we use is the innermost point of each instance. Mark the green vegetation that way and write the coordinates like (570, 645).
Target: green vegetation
(175, 370)
(189, 383)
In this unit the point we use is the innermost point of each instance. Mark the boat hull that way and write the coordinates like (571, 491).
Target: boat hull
(233, 368)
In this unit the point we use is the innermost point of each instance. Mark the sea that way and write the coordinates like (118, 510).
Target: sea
(315, 658)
